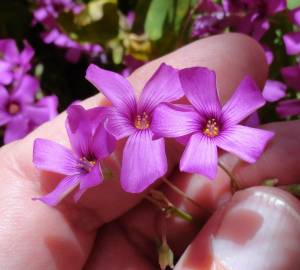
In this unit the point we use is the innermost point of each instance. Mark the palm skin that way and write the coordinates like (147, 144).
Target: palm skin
(111, 229)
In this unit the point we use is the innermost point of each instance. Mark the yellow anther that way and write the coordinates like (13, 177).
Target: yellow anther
(142, 121)
(211, 128)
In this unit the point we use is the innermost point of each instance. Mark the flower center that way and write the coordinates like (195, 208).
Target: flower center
(13, 108)
(86, 164)
(211, 129)
(142, 121)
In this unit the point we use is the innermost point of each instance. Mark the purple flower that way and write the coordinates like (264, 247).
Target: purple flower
(289, 107)
(295, 16)
(144, 159)
(292, 43)
(47, 13)
(209, 125)
(13, 64)
(291, 76)
(211, 20)
(131, 65)
(19, 112)
(90, 143)
(252, 16)
(274, 90)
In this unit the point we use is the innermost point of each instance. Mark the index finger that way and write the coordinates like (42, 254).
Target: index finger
(57, 234)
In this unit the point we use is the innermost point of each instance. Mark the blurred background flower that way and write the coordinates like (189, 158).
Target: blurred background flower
(53, 42)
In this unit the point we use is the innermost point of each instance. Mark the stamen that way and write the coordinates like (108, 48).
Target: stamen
(13, 108)
(211, 128)
(86, 164)
(142, 121)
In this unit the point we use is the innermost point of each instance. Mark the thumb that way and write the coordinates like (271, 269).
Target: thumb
(259, 229)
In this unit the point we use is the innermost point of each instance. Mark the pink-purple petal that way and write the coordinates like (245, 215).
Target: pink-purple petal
(115, 87)
(27, 54)
(65, 187)
(9, 49)
(6, 77)
(53, 157)
(199, 86)
(200, 156)
(289, 107)
(144, 161)
(274, 90)
(170, 120)
(26, 90)
(245, 142)
(79, 130)
(163, 86)
(17, 128)
(119, 125)
(91, 179)
(4, 97)
(291, 76)
(4, 118)
(295, 16)
(292, 43)
(246, 99)
(42, 111)
(103, 143)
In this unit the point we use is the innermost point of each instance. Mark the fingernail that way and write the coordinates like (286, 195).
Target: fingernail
(260, 230)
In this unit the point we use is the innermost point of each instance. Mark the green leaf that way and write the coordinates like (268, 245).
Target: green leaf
(117, 54)
(156, 17)
(182, 9)
(293, 4)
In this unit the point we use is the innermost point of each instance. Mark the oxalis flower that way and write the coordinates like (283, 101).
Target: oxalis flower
(19, 111)
(208, 125)
(144, 159)
(90, 143)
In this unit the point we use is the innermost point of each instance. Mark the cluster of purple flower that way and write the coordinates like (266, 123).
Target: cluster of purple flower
(20, 111)
(47, 13)
(252, 17)
(291, 74)
(246, 16)
(202, 125)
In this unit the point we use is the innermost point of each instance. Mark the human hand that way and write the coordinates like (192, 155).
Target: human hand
(110, 229)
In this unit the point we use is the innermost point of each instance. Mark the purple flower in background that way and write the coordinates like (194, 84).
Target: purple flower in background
(291, 76)
(131, 65)
(292, 43)
(13, 64)
(211, 20)
(90, 143)
(274, 90)
(19, 112)
(252, 16)
(268, 53)
(295, 16)
(209, 125)
(144, 159)
(47, 13)
(289, 107)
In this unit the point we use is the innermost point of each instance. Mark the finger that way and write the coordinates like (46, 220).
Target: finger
(68, 226)
(139, 232)
(216, 53)
(258, 229)
(280, 160)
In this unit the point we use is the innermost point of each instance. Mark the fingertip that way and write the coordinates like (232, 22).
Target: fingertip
(258, 229)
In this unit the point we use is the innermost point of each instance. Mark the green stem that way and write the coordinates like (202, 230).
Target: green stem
(182, 194)
(233, 181)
